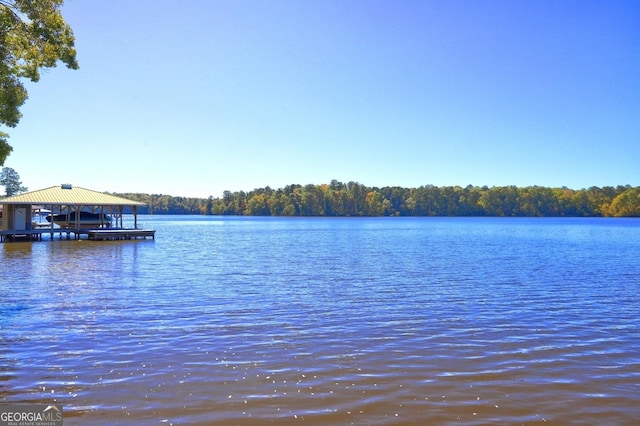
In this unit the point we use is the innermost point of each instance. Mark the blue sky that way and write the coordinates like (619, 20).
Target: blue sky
(193, 98)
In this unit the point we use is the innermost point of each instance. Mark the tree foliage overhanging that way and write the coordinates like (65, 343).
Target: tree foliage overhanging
(355, 199)
(33, 36)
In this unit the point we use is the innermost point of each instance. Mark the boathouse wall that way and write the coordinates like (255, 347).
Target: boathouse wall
(16, 217)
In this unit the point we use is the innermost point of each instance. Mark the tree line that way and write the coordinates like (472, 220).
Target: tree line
(355, 199)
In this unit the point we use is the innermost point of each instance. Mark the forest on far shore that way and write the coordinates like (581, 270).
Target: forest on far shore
(355, 199)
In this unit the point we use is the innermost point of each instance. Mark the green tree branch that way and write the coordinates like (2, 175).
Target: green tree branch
(33, 35)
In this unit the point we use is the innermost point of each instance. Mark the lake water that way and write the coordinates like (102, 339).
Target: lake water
(323, 321)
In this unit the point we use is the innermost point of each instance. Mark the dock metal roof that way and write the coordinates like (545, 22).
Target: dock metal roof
(69, 195)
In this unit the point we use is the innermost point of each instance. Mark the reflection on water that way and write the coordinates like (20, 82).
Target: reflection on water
(329, 321)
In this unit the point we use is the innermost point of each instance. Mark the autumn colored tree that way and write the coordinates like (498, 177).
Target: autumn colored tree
(626, 204)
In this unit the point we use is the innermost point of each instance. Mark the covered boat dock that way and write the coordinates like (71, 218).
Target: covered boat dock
(62, 207)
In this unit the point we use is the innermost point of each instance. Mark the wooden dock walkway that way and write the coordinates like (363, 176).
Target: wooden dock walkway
(77, 234)
(33, 234)
(121, 234)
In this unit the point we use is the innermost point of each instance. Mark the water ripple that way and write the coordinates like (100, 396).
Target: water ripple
(372, 321)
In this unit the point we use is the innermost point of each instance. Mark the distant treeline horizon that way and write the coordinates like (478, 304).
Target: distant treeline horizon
(355, 199)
